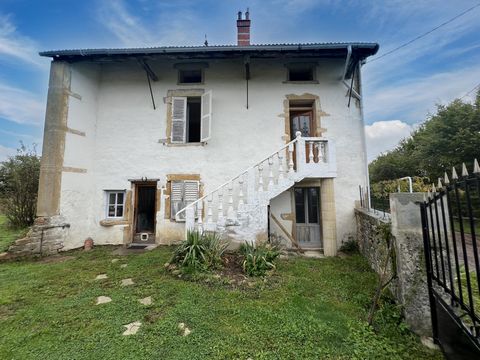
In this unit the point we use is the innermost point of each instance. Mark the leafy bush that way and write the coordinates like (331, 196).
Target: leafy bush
(259, 259)
(350, 246)
(19, 185)
(199, 252)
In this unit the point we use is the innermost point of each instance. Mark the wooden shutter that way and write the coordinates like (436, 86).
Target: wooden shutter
(190, 191)
(206, 123)
(179, 119)
(176, 200)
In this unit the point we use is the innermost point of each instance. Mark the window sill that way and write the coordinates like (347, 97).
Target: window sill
(301, 82)
(165, 142)
(113, 222)
(193, 83)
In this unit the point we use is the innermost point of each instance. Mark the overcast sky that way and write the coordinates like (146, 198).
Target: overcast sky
(400, 90)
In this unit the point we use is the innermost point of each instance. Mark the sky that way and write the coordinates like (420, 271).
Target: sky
(400, 90)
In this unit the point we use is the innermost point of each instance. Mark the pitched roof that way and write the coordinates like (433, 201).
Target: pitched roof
(362, 50)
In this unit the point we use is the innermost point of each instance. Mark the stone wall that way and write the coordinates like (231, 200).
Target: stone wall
(410, 284)
(46, 237)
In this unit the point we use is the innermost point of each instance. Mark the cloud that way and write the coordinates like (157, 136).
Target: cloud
(16, 46)
(415, 98)
(382, 136)
(171, 26)
(5, 152)
(20, 106)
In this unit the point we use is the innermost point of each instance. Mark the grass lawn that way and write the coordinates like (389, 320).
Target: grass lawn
(7, 234)
(466, 226)
(311, 309)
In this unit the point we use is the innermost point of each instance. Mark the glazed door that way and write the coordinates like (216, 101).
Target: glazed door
(307, 217)
(302, 121)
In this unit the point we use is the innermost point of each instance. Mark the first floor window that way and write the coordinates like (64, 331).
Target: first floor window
(191, 118)
(301, 72)
(183, 192)
(115, 204)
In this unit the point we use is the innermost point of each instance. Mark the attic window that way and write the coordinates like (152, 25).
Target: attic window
(300, 72)
(193, 76)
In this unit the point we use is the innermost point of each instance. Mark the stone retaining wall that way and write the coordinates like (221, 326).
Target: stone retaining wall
(410, 284)
(45, 237)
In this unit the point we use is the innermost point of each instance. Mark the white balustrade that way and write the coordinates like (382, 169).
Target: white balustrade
(314, 157)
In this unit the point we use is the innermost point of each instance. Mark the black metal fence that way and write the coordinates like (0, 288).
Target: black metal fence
(450, 220)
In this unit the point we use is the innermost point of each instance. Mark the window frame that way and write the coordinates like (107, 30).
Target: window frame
(179, 106)
(301, 65)
(116, 204)
(179, 76)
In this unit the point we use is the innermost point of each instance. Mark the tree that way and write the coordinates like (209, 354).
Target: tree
(448, 138)
(19, 177)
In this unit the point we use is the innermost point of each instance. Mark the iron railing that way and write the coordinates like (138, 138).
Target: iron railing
(450, 220)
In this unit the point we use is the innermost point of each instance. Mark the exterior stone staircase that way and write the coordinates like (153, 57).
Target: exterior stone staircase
(238, 209)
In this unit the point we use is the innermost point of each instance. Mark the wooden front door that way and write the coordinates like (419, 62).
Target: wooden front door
(307, 217)
(145, 213)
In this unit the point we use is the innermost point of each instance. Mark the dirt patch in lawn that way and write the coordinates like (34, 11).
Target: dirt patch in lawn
(230, 275)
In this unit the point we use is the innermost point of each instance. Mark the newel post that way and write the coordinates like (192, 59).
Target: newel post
(300, 152)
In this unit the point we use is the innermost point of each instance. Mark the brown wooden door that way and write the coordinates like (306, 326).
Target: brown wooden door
(302, 121)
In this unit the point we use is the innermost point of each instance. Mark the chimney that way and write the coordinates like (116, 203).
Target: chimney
(243, 29)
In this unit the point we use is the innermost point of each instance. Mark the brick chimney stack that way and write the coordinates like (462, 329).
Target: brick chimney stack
(243, 29)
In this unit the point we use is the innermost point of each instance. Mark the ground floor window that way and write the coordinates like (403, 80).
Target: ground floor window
(183, 192)
(115, 203)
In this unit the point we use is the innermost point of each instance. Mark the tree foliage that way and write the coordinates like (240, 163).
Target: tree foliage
(448, 138)
(19, 177)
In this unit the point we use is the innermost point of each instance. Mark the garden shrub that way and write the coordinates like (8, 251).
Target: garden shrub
(259, 258)
(199, 252)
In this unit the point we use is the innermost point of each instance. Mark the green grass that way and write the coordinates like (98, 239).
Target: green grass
(7, 234)
(466, 226)
(312, 309)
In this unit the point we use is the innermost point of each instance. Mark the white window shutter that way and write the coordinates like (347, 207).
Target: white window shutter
(176, 200)
(191, 191)
(206, 124)
(179, 119)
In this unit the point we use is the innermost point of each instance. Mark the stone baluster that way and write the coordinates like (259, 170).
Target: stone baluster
(240, 190)
(199, 209)
(260, 178)
(310, 152)
(280, 166)
(210, 211)
(322, 153)
(251, 185)
(300, 154)
(220, 206)
(271, 183)
(290, 159)
(230, 212)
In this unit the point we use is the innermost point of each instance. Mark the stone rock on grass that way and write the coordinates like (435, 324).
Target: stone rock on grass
(115, 260)
(127, 282)
(103, 300)
(146, 301)
(132, 328)
(184, 330)
(123, 266)
(101, 277)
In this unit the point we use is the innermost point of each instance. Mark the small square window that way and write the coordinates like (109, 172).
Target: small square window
(193, 76)
(300, 73)
(115, 204)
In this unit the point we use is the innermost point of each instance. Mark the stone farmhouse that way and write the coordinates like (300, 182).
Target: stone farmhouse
(247, 140)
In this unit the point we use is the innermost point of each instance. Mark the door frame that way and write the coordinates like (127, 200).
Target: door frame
(307, 184)
(137, 185)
